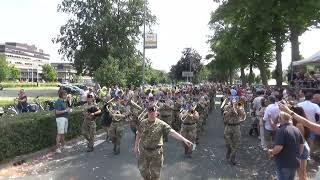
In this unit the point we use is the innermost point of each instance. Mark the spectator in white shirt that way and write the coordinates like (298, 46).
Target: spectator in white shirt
(301, 96)
(270, 119)
(256, 104)
(310, 109)
(83, 96)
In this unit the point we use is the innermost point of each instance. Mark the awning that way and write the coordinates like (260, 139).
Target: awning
(314, 59)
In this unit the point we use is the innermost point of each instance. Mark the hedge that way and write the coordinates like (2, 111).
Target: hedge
(9, 101)
(23, 85)
(31, 132)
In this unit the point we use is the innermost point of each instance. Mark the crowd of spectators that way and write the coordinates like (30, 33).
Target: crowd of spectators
(282, 135)
(306, 80)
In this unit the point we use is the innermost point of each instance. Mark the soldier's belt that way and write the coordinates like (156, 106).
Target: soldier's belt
(152, 149)
(189, 123)
(237, 124)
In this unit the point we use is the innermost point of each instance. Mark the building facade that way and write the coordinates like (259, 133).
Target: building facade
(27, 58)
(65, 71)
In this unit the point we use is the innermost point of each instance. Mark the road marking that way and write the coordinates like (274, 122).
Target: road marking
(98, 142)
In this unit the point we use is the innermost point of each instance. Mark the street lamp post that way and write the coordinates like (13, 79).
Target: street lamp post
(144, 42)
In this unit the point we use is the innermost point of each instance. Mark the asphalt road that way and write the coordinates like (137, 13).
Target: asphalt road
(208, 161)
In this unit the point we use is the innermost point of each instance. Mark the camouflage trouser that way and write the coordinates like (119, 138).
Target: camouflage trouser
(134, 124)
(176, 122)
(150, 164)
(232, 135)
(205, 116)
(190, 133)
(200, 123)
(88, 131)
(116, 131)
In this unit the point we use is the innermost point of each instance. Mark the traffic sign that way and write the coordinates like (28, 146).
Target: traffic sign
(151, 41)
(187, 74)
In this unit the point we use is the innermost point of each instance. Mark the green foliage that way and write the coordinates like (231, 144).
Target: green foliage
(109, 73)
(189, 55)
(239, 40)
(204, 74)
(4, 69)
(14, 73)
(31, 132)
(99, 30)
(49, 74)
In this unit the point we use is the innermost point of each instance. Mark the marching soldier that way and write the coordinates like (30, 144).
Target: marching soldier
(117, 125)
(166, 112)
(178, 102)
(91, 110)
(134, 121)
(234, 114)
(201, 110)
(150, 134)
(189, 120)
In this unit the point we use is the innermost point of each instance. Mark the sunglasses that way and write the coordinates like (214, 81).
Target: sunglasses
(152, 110)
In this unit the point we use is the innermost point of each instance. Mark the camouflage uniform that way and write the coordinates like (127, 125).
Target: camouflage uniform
(232, 133)
(89, 124)
(134, 121)
(189, 131)
(200, 109)
(116, 129)
(166, 113)
(151, 157)
(176, 112)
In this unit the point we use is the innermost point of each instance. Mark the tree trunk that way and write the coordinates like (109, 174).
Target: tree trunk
(243, 77)
(251, 75)
(294, 39)
(230, 76)
(279, 49)
(263, 72)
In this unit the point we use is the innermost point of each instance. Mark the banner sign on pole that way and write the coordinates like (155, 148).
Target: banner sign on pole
(151, 41)
(187, 74)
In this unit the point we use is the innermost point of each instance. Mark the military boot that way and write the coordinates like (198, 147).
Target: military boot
(90, 149)
(114, 148)
(228, 154)
(189, 152)
(185, 150)
(233, 160)
(117, 150)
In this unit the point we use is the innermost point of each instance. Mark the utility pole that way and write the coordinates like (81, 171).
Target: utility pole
(144, 42)
(190, 68)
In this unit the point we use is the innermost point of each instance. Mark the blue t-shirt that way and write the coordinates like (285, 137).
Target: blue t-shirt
(290, 138)
(60, 105)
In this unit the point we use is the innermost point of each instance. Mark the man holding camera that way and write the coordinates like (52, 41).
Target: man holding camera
(91, 111)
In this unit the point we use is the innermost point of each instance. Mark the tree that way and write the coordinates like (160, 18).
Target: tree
(109, 73)
(238, 41)
(14, 73)
(99, 30)
(4, 69)
(300, 16)
(190, 61)
(204, 74)
(48, 73)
